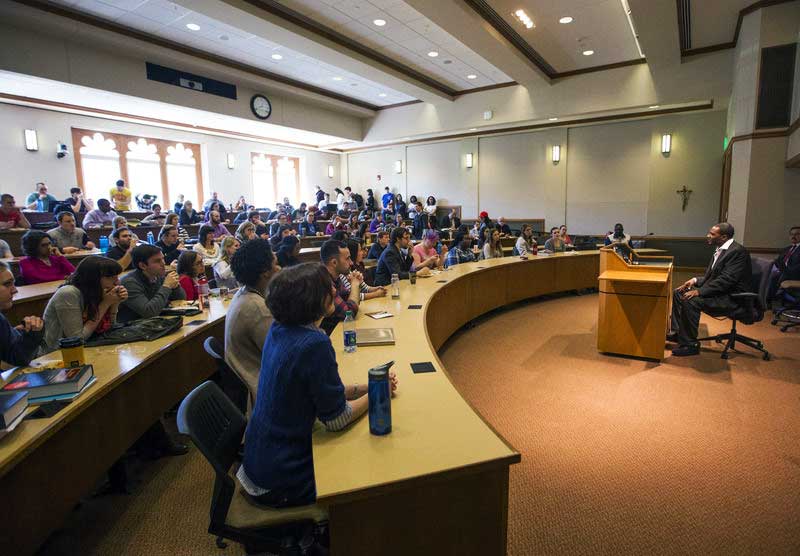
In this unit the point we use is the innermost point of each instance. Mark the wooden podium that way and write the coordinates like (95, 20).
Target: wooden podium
(635, 302)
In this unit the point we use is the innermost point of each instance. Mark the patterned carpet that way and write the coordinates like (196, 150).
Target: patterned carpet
(694, 455)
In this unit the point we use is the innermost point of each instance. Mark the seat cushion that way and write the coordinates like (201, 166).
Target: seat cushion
(245, 513)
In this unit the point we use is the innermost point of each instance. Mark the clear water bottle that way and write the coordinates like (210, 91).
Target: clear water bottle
(349, 332)
(104, 244)
(151, 238)
(395, 287)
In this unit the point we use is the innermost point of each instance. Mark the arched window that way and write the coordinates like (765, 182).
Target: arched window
(99, 168)
(144, 168)
(274, 177)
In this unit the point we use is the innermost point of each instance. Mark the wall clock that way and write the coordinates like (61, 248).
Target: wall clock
(260, 106)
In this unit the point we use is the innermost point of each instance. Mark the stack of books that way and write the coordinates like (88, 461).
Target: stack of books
(52, 384)
(12, 409)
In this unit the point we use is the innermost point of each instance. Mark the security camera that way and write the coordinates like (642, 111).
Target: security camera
(61, 150)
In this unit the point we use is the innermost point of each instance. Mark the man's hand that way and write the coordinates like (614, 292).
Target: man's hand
(686, 285)
(380, 290)
(68, 250)
(690, 294)
(355, 278)
(90, 245)
(171, 280)
(30, 324)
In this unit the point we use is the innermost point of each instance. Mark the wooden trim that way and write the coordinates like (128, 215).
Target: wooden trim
(149, 120)
(725, 189)
(191, 51)
(795, 125)
(162, 152)
(519, 129)
(487, 88)
(635, 62)
(757, 135)
(198, 170)
(722, 46)
(76, 144)
(399, 104)
(793, 162)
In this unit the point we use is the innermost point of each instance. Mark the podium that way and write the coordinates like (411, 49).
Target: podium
(635, 302)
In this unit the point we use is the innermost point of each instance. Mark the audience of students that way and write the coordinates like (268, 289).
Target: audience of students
(460, 251)
(10, 215)
(395, 259)
(101, 216)
(86, 304)
(206, 245)
(223, 274)
(42, 261)
(120, 196)
(150, 287)
(66, 237)
(122, 250)
(377, 248)
(18, 344)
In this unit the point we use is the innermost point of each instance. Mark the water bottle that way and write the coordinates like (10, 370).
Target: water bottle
(104, 244)
(395, 286)
(150, 238)
(202, 291)
(349, 332)
(380, 400)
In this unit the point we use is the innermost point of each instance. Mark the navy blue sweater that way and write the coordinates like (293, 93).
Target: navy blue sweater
(17, 348)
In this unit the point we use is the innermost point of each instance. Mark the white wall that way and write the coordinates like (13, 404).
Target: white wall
(22, 169)
(364, 168)
(608, 173)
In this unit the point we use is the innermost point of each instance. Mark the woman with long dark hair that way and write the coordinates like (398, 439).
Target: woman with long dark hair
(86, 304)
(190, 268)
(288, 252)
(430, 206)
(206, 245)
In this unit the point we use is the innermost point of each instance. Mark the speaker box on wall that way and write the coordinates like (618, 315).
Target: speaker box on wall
(775, 86)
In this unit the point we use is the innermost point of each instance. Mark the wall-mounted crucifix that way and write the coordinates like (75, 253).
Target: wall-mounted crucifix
(685, 194)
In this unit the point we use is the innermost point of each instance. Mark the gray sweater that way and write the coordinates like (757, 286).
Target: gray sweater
(246, 325)
(146, 298)
(63, 318)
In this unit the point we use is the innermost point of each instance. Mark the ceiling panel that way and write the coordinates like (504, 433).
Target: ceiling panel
(407, 37)
(714, 21)
(168, 20)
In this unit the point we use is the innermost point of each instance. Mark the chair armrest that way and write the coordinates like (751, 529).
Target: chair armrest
(790, 284)
(744, 295)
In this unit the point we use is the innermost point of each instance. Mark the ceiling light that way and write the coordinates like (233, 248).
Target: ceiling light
(433, 54)
(566, 19)
(382, 95)
(552, 119)
(223, 37)
(519, 13)
(337, 78)
(193, 26)
(654, 106)
(277, 57)
(473, 129)
(524, 19)
(588, 52)
(379, 22)
(472, 76)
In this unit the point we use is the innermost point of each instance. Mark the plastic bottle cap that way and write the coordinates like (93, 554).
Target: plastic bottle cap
(72, 342)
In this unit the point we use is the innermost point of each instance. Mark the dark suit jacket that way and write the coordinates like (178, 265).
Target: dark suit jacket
(732, 273)
(791, 269)
(392, 261)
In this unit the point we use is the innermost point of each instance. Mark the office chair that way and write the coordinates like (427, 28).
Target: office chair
(232, 384)
(216, 427)
(788, 314)
(750, 309)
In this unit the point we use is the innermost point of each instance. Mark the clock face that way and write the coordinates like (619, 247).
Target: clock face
(260, 106)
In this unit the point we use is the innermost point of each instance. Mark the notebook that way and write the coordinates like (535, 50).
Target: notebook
(375, 337)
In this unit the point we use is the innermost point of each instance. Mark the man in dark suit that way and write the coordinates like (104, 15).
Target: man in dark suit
(728, 272)
(395, 259)
(786, 265)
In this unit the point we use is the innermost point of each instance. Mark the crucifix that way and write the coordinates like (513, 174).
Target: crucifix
(685, 194)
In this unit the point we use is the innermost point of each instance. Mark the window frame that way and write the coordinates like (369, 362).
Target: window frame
(274, 158)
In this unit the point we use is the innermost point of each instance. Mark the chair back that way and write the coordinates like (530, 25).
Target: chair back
(216, 427)
(760, 286)
(232, 384)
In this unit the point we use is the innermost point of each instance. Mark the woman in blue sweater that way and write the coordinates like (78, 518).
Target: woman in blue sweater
(298, 383)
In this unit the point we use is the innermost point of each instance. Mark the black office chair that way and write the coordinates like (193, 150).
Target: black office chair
(788, 314)
(216, 427)
(232, 384)
(751, 309)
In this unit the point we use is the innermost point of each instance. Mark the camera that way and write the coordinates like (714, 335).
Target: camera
(61, 150)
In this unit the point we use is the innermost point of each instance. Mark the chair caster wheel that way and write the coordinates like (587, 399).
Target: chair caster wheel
(221, 544)
(767, 357)
(725, 355)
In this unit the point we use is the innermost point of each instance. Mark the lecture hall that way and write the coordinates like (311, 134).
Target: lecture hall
(399, 277)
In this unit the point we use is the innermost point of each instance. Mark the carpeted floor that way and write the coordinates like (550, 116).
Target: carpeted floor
(694, 455)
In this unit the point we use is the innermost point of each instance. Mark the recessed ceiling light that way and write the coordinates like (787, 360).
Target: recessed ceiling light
(277, 57)
(552, 119)
(472, 76)
(379, 22)
(433, 54)
(588, 52)
(382, 95)
(223, 37)
(524, 19)
(193, 26)
(473, 129)
(566, 19)
(337, 78)
(354, 84)
(654, 106)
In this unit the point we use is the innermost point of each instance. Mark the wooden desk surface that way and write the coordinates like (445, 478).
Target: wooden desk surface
(643, 277)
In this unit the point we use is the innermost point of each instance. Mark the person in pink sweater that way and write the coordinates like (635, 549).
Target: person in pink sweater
(43, 262)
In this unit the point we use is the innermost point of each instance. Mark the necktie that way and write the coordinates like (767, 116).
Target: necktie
(789, 254)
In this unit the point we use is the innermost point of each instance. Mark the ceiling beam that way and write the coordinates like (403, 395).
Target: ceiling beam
(656, 23)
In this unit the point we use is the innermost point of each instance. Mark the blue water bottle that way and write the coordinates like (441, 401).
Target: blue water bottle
(150, 238)
(104, 244)
(380, 400)
(349, 332)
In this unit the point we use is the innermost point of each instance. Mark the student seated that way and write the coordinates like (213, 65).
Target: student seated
(525, 242)
(10, 215)
(169, 244)
(377, 248)
(190, 268)
(554, 243)
(461, 251)
(357, 253)
(223, 274)
(42, 261)
(18, 344)
(124, 243)
(275, 226)
(618, 236)
(492, 246)
(298, 384)
(66, 237)
(395, 259)
(562, 230)
(146, 202)
(155, 218)
(377, 223)
(206, 245)
(289, 251)
(261, 229)
(173, 220)
(77, 203)
(424, 253)
(309, 226)
(86, 304)
(150, 287)
(40, 200)
(245, 232)
(336, 259)
(5, 250)
(215, 221)
(101, 216)
(282, 232)
(248, 318)
(188, 215)
(505, 229)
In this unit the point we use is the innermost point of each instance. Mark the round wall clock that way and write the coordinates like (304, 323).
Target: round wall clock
(260, 106)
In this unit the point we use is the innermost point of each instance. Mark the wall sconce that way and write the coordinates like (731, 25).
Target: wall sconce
(556, 154)
(231, 161)
(468, 160)
(666, 143)
(398, 166)
(330, 171)
(31, 141)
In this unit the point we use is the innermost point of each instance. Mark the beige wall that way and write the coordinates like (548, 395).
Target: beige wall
(362, 171)
(21, 169)
(608, 173)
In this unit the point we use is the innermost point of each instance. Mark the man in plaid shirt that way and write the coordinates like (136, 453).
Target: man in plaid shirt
(336, 258)
(461, 252)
